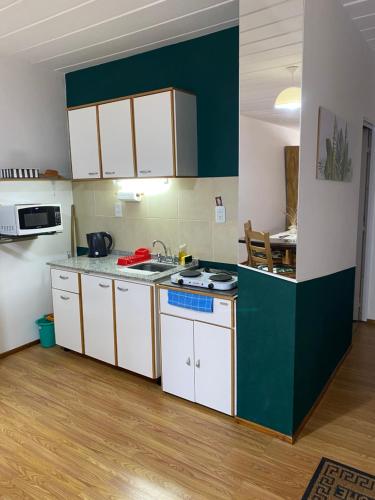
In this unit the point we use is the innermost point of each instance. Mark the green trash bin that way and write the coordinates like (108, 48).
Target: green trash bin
(46, 332)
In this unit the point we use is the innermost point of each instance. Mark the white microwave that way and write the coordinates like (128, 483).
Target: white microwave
(24, 220)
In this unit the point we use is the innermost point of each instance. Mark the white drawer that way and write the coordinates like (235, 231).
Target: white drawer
(221, 315)
(65, 280)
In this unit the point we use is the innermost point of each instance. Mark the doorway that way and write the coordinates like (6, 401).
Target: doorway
(362, 222)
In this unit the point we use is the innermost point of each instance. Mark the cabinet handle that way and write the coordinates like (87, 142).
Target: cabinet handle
(63, 277)
(102, 285)
(198, 363)
(122, 289)
(223, 303)
(93, 173)
(145, 171)
(109, 173)
(188, 362)
(64, 297)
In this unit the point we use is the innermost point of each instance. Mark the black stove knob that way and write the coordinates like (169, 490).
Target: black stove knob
(210, 286)
(180, 281)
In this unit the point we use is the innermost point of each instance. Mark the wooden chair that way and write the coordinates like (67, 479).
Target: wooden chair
(260, 253)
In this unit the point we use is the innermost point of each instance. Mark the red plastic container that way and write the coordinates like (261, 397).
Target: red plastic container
(140, 255)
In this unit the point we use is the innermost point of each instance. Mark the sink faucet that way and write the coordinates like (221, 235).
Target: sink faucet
(164, 248)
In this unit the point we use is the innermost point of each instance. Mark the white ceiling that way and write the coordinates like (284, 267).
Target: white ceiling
(271, 36)
(67, 35)
(362, 13)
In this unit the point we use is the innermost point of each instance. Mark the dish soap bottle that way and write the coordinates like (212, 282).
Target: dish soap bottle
(182, 251)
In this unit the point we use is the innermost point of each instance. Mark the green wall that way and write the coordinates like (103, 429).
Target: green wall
(324, 316)
(265, 350)
(290, 338)
(207, 66)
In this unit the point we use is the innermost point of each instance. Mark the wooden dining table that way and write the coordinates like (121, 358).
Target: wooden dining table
(284, 241)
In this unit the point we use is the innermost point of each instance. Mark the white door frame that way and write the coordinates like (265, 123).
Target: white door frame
(367, 268)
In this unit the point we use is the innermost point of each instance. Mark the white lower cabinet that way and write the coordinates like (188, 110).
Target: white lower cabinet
(213, 366)
(97, 303)
(135, 327)
(67, 319)
(197, 362)
(177, 353)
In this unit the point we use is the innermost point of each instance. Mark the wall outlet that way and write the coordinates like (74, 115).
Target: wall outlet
(220, 214)
(118, 209)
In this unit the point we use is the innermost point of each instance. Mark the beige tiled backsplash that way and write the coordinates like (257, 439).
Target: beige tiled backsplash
(183, 214)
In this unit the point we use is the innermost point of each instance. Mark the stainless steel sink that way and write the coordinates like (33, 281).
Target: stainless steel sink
(152, 267)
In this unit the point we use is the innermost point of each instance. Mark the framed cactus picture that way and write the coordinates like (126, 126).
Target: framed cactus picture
(334, 161)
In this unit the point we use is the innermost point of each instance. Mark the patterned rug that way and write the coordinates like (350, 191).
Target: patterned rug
(333, 480)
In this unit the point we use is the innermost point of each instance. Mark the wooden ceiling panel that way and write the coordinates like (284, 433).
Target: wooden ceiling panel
(271, 44)
(250, 6)
(364, 23)
(359, 9)
(273, 30)
(362, 12)
(266, 16)
(133, 31)
(66, 24)
(23, 14)
(64, 34)
(271, 37)
(139, 42)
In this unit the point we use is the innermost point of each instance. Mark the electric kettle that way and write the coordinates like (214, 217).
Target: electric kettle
(100, 244)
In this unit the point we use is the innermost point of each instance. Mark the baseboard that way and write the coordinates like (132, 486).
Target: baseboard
(265, 430)
(285, 437)
(20, 348)
(321, 395)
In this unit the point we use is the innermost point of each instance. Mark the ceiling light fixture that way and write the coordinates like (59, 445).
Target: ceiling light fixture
(289, 98)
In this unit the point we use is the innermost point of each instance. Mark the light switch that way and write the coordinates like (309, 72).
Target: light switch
(118, 209)
(220, 214)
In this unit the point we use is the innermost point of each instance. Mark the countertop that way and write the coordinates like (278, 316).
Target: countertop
(108, 266)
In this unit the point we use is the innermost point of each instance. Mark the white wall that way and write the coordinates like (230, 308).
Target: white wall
(33, 125)
(33, 133)
(25, 290)
(262, 197)
(337, 74)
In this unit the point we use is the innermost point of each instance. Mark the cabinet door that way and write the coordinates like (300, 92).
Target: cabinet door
(116, 139)
(154, 135)
(98, 318)
(67, 320)
(84, 144)
(134, 326)
(177, 350)
(213, 366)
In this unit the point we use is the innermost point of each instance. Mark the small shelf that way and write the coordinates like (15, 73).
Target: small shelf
(15, 239)
(35, 179)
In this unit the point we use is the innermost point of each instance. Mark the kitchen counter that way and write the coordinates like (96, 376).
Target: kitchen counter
(108, 266)
(229, 294)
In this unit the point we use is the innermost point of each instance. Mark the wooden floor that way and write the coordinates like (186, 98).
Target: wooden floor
(75, 428)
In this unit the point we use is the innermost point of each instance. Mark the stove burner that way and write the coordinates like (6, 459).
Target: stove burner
(190, 274)
(221, 277)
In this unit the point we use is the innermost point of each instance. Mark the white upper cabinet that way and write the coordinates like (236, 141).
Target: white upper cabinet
(84, 143)
(185, 126)
(166, 134)
(154, 135)
(116, 139)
